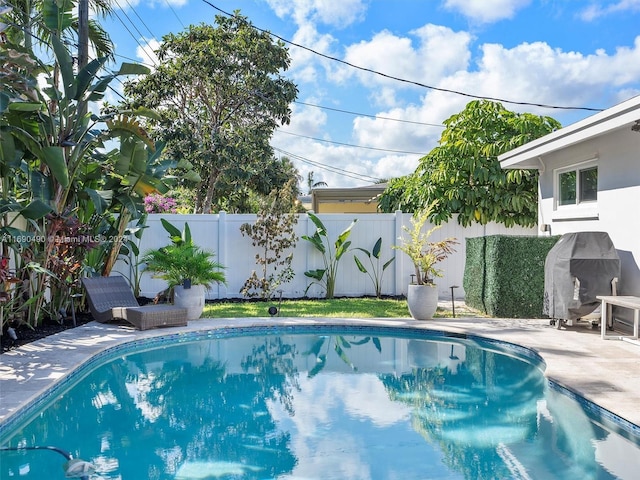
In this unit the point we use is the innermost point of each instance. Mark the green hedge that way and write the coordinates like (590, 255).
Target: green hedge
(504, 275)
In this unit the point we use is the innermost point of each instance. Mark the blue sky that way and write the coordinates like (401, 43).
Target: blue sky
(564, 53)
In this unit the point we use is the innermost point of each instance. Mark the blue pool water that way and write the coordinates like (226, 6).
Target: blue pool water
(325, 404)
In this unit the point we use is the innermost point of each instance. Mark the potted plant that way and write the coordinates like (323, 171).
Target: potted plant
(187, 269)
(422, 293)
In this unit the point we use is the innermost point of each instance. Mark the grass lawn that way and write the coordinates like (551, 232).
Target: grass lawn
(339, 307)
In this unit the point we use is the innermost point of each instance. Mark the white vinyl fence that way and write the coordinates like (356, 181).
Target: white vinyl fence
(220, 233)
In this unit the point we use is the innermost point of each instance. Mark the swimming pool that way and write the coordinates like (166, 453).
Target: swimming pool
(319, 402)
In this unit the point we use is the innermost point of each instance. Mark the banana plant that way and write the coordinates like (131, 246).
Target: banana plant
(340, 345)
(376, 272)
(331, 255)
(138, 169)
(55, 149)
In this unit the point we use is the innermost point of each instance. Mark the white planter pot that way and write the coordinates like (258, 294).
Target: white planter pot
(190, 298)
(422, 301)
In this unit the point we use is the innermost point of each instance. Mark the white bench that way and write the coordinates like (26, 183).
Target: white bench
(625, 301)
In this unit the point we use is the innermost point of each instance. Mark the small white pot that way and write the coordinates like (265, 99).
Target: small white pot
(190, 298)
(422, 301)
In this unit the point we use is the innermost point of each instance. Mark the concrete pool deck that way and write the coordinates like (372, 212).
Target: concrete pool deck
(606, 372)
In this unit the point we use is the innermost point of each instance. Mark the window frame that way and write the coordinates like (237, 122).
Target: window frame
(581, 209)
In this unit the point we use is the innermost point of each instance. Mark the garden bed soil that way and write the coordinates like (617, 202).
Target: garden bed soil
(48, 327)
(26, 334)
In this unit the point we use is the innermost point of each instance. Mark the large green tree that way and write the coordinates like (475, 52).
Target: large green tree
(463, 175)
(221, 94)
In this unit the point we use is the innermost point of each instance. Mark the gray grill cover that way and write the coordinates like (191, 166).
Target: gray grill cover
(579, 267)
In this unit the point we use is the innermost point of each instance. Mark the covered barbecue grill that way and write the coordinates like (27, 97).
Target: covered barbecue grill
(579, 267)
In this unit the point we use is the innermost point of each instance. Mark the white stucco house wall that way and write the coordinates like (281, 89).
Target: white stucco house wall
(590, 181)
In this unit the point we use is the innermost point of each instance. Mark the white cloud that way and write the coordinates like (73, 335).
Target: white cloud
(595, 11)
(304, 63)
(163, 3)
(306, 14)
(440, 51)
(306, 120)
(407, 137)
(363, 397)
(329, 12)
(440, 57)
(340, 14)
(537, 73)
(393, 166)
(146, 52)
(530, 72)
(486, 11)
(337, 165)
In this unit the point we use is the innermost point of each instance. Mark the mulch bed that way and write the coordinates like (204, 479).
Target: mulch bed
(27, 334)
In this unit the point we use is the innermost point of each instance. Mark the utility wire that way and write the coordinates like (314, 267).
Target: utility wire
(134, 60)
(110, 87)
(377, 117)
(140, 18)
(127, 28)
(174, 13)
(330, 168)
(391, 77)
(323, 166)
(351, 145)
(288, 133)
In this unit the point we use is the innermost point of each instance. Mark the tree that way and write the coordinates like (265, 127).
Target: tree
(247, 197)
(463, 173)
(273, 233)
(39, 20)
(221, 95)
(311, 183)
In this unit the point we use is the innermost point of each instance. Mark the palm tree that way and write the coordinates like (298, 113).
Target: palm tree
(291, 172)
(311, 184)
(38, 20)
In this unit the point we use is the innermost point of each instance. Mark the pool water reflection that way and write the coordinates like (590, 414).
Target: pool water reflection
(322, 406)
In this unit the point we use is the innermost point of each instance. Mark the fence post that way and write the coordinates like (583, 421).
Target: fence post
(399, 262)
(223, 242)
(308, 249)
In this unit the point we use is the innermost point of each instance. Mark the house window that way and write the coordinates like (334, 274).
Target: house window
(577, 185)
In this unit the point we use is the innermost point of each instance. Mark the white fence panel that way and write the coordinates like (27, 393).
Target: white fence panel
(220, 233)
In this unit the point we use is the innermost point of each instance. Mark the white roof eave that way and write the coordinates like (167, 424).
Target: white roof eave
(528, 156)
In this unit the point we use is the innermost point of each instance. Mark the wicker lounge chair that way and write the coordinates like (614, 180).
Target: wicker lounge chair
(111, 297)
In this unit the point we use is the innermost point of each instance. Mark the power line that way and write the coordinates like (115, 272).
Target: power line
(398, 79)
(345, 173)
(135, 60)
(127, 28)
(377, 117)
(174, 13)
(349, 112)
(115, 77)
(351, 145)
(140, 18)
(328, 168)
